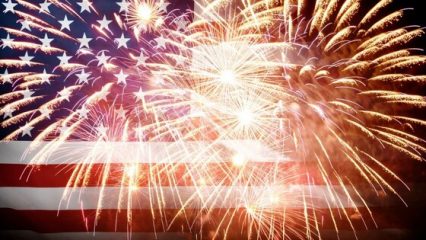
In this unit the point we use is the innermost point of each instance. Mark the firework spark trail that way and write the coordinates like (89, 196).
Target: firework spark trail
(305, 82)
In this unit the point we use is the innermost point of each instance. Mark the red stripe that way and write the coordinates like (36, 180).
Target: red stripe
(111, 220)
(18, 175)
(390, 233)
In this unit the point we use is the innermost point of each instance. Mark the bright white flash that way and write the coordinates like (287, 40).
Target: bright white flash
(131, 171)
(227, 76)
(245, 117)
(144, 12)
(238, 160)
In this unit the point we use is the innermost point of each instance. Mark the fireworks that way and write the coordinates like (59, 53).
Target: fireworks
(222, 99)
(145, 16)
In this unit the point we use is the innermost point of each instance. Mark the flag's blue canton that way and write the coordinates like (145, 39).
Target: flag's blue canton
(81, 27)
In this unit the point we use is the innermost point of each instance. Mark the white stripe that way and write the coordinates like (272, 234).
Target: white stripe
(18, 152)
(291, 196)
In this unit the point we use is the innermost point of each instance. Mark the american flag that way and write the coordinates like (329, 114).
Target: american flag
(62, 58)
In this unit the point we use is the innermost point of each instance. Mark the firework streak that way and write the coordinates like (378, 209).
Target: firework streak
(146, 119)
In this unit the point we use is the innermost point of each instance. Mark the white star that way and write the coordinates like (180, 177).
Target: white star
(82, 112)
(122, 41)
(63, 129)
(45, 77)
(103, 95)
(44, 7)
(139, 94)
(101, 130)
(124, 6)
(158, 80)
(141, 59)
(102, 59)
(26, 25)
(45, 112)
(8, 112)
(7, 42)
(104, 23)
(6, 77)
(121, 77)
(180, 60)
(286, 77)
(27, 59)
(161, 42)
(26, 130)
(27, 93)
(139, 132)
(46, 41)
(64, 59)
(84, 41)
(121, 113)
(181, 24)
(9, 6)
(83, 77)
(65, 24)
(65, 94)
(163, 6)
(85, 5)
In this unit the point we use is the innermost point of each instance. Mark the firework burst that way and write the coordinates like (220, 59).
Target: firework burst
(226, 99)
